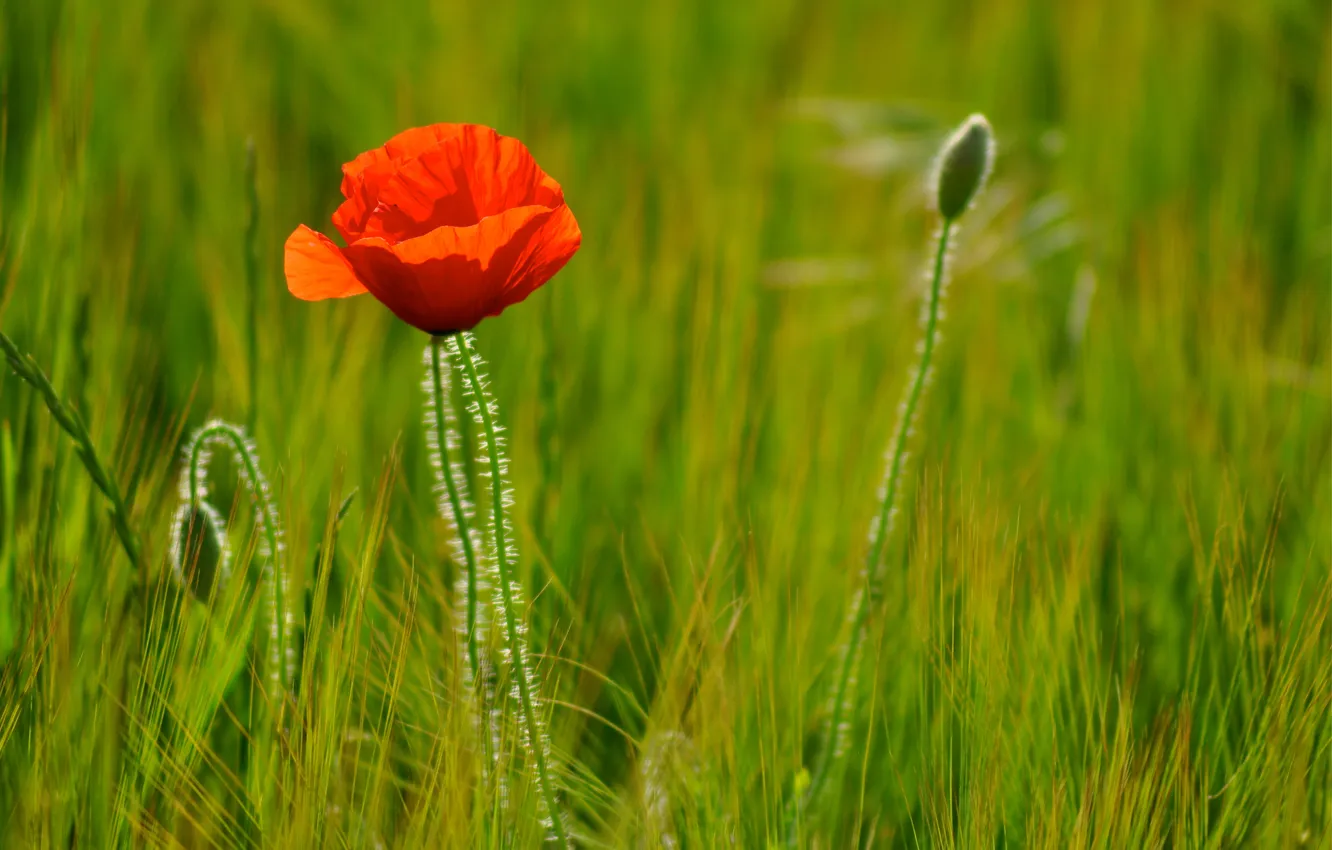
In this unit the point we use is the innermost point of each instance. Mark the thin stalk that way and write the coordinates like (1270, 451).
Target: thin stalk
(281, 657)
(72, 424)
(217, 431)
(252, 276)
(834, 732)
(444, 441)
(8, 509)
(521, 671)
(440, 437)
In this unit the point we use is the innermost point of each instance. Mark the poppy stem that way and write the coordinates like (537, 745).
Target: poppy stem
(528, 687)
(871, 591)
(194, 492)
(444, 439)
(443, 443)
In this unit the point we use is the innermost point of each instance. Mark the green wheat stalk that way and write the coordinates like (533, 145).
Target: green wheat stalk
(72, 424)
(8, 604)
(504, 556)
(252, 275)
(962, 168)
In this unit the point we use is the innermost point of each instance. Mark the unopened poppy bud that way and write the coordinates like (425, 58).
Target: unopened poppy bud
(198, 549)
(964, 163)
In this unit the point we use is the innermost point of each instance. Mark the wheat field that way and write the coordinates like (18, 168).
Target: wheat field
(1105, 618)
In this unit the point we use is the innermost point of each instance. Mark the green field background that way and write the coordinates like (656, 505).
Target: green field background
(1106, 618)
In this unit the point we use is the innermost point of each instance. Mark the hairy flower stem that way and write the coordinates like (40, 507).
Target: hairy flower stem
(512, 631)
(834, 745)
(443, 439)
(217, 431)
(455, 500)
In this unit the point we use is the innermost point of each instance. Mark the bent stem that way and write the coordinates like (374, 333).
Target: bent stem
(872, 589)
(483, 407)
(281, 657)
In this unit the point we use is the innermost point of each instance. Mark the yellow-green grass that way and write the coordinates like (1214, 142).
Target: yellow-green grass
(1106, 621)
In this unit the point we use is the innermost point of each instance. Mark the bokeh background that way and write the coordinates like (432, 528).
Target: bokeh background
(1109, 597)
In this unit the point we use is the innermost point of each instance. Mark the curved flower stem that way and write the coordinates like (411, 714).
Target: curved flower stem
(512, 630)
(218, 431)
(872, 589)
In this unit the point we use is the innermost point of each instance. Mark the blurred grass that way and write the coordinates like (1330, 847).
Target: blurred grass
(1110, 625)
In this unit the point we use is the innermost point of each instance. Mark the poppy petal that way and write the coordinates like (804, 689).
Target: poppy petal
(446, 175)
(458, 183)
(408, 143)
(450, 278)
(364, 176)
(316, 268)
(542, 250)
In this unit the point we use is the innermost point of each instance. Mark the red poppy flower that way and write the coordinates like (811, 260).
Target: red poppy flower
(445, 225)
